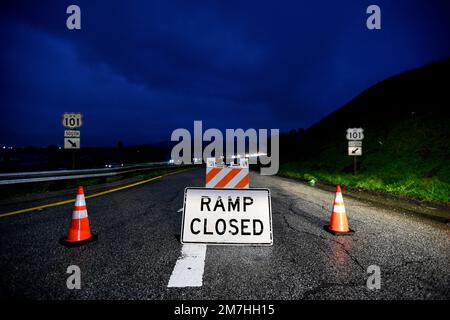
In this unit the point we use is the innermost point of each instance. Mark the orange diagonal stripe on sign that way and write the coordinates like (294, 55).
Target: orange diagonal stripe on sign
(222, 183)
(211, 174)
(241, 184)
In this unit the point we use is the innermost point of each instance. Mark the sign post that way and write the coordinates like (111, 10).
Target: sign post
(355, 137)
(71, 121)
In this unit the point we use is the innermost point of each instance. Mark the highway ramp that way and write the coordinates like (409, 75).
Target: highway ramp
(138, 248)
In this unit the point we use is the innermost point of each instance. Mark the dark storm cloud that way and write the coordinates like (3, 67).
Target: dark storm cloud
(139, 69)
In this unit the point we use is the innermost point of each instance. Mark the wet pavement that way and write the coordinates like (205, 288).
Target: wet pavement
(138, 247)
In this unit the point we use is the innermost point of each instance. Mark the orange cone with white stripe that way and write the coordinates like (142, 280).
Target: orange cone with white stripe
(338, 224)
(79, 229)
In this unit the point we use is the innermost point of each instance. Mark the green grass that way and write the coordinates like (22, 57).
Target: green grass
(410, 159)
(430, 189)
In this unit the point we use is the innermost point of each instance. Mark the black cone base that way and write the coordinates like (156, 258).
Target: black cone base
(71, 244)
(337, 233)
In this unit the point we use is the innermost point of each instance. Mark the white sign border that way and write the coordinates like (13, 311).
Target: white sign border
(228, 243)
(69, 114)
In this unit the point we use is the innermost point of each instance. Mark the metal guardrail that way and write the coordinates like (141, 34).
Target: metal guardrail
(45, 176)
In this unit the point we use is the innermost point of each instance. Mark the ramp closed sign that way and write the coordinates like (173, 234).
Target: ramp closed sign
(227, 216)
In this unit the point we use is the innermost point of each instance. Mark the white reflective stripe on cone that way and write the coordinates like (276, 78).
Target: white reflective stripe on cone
(339, 209)
(80, 200)
(339, 197)
(79, 214)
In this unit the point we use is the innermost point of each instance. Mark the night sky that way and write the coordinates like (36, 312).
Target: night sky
(137, 70)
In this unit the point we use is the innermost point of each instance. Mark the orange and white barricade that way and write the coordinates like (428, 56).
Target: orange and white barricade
(233, 177)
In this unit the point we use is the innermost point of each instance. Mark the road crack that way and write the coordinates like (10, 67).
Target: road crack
(304, 232)
(177, 193)
(323, 238)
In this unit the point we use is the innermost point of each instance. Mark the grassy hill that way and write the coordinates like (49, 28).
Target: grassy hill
(406, 147)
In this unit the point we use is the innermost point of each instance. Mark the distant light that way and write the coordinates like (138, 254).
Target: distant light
(253, 155)
(4, 147)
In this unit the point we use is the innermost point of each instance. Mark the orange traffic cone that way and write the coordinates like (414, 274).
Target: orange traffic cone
(338, 224)
(79, 230)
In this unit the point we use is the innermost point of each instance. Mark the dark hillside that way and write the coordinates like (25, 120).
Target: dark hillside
(406, 146)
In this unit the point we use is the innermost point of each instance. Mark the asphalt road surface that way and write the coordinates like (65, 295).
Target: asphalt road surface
(138, 248)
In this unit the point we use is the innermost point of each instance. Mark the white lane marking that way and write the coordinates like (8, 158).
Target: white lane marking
(188, 271)
(180, 210)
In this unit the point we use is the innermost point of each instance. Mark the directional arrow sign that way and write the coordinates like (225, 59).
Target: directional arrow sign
(71, 143)
(355, 151)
